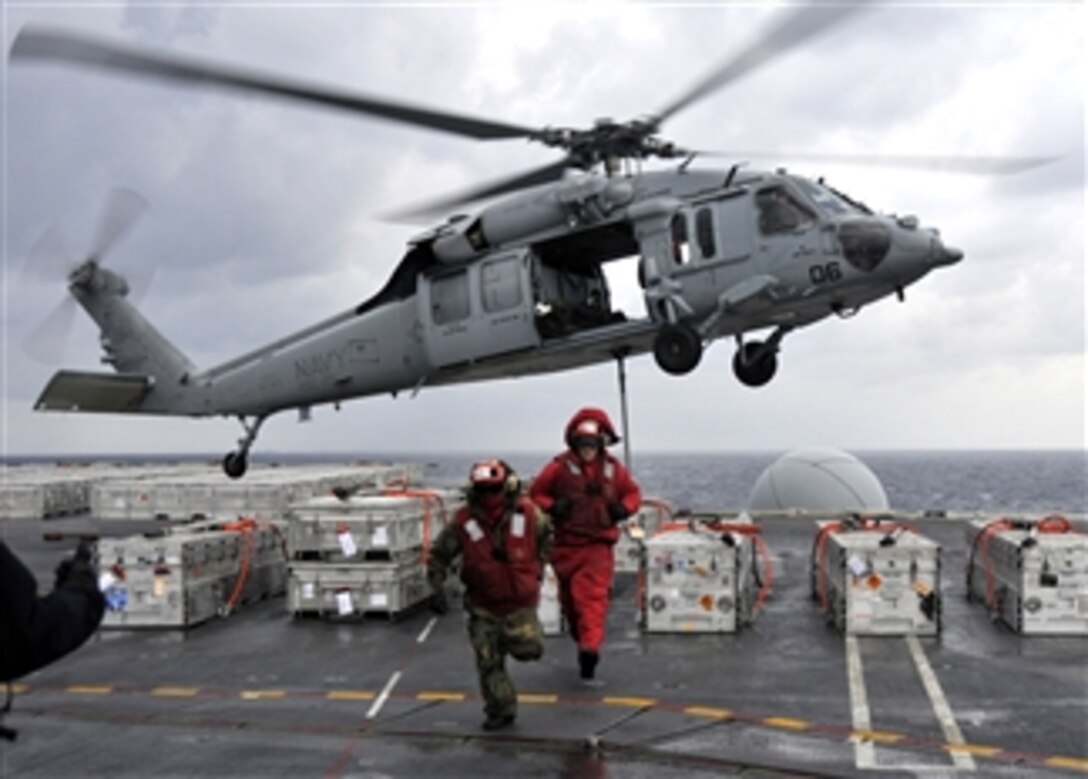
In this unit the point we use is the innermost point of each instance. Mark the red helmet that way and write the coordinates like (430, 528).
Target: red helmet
(491, 476)
(590, 425)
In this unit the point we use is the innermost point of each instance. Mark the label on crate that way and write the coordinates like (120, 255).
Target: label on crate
(857, 565)
(379, 537)
(379, 600)
(307, 590)
(344, 606)
(347, 543)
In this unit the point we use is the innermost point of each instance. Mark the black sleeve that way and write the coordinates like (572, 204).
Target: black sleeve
(36, 631)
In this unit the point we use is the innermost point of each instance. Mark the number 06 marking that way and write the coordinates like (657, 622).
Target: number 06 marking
(821, 274)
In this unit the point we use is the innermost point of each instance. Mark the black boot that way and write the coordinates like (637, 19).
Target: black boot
(498, 722)
(587, 663)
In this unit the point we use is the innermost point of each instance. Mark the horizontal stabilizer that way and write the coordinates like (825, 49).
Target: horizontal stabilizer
(107, 392)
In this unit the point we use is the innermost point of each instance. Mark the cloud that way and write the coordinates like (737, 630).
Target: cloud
(264, 214)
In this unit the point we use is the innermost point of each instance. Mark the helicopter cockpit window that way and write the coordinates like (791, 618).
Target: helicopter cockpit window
(781, 212)
(827, 200)
(704, 232)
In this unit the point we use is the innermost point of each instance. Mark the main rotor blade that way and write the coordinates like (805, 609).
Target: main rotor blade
(972, 164)
(33, 43)
(799, 26)
(531, 178)
(121, 211)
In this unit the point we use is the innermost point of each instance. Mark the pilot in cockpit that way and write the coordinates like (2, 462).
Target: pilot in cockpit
(779, 212)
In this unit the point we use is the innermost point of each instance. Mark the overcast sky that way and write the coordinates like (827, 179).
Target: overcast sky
(266, 216)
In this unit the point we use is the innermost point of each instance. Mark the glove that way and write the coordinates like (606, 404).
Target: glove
(77, 568)
(64, 570)
(561, 508)
(438, 604)
(617, 512)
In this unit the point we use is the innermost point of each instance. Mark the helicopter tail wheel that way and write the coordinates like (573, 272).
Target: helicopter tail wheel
(754, 364)
(234, 464)
(677, 348)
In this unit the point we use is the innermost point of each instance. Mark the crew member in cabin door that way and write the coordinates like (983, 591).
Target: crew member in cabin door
(587, 492)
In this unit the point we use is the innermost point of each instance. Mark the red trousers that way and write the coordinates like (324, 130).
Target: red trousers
(585, 586)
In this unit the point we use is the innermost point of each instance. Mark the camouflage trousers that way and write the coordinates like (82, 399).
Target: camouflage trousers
(494, 637)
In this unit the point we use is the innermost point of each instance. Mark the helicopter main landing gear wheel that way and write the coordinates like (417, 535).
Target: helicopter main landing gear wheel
(236, 462)
(677, 348)
(755, 363)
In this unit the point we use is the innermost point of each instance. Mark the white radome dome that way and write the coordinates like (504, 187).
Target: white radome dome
(818, 480)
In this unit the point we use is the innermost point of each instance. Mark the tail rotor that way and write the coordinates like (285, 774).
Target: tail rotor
(50, 261)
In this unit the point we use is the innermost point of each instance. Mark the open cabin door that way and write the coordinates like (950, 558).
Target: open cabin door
(478, 310)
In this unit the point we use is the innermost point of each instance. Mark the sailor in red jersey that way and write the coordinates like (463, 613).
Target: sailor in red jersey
(587, 492)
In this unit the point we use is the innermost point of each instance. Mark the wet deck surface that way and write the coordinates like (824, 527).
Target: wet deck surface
(262, 694)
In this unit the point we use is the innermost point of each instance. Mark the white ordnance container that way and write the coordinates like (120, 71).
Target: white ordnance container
(652, 514)
(699, 580)
(183, 578)
(548, 610)
(1033, 580)
(362, 528)
(879, 581)
(265, 491)
(43, 491)
(352, 590)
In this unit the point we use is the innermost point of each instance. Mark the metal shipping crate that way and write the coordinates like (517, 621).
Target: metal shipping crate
(635, 530)
(548, 610)
(359, 529)
(879, 581)
(345, 590)
(1036, 582)
(699, 581)
(184, 578)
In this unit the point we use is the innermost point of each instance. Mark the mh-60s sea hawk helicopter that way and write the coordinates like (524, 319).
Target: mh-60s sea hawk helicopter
(518, 288)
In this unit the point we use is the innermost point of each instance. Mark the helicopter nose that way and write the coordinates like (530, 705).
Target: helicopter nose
(939, 254)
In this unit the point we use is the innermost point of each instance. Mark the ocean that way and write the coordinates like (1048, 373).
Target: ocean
(983, 481)
(913, 481)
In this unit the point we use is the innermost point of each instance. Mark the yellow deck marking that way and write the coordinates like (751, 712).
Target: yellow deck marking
(1072, 763)
(350, 695)
(786, 723)
(441, 696)
(974, 749)
(532, 697)
(705, 711)
(637, 703)
(256, 695)
(90, 689)
(19, 689)
(879, 736)
(175, 692)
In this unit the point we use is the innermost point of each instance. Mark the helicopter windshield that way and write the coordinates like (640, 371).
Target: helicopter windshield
(830, 202)
(781, 212)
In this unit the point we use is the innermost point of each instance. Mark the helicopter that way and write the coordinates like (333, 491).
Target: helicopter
(518, 287)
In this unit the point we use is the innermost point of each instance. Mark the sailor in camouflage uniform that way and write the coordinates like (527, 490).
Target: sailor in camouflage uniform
(503, 541)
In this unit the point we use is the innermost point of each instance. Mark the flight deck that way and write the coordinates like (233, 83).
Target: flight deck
(263, 693)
